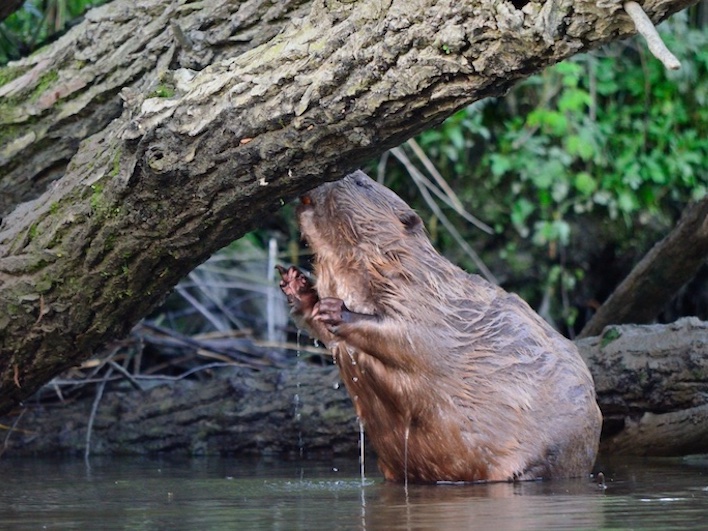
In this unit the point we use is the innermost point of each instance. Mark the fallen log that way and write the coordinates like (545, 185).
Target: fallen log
(651, 380)
(652, 387)
(297, 410)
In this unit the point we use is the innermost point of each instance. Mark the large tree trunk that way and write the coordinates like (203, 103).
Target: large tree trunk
(71, 91)
(652, 384)
(195, 157)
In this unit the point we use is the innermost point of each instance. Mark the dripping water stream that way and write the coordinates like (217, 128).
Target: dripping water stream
(296, 399)
(405, 458)
(361, 451)
(362, 472)
(298, 418)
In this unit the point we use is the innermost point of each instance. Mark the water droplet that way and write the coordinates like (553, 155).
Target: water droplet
(351, 353)
(316, 342)
(355, 379)
(336, 385)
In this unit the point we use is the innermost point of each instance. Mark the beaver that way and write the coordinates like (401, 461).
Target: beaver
(453, 378)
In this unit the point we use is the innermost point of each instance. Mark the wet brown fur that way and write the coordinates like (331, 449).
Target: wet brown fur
(454, 378)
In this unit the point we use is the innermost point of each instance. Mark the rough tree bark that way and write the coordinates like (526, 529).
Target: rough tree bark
(658, 276)
(652, 384)
(238, 412)
(652, 387)
(195, 156)
(52, 101)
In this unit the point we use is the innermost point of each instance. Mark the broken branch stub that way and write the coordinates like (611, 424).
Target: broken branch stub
(645, 27)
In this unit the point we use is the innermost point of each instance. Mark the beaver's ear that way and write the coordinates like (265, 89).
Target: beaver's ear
(411, 221)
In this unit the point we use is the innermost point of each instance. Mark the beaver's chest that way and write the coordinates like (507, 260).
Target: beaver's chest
(416, 431)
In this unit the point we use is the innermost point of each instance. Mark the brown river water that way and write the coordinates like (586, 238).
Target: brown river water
(223, 493)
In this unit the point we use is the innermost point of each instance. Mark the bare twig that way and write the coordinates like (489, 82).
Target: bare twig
(271, 296)
(67, 382)
(442, 183)
(165, 337)
(645, 27)
(153, 377)
(381, 167)
(416, 174)
(94, 409)
(449, 197)
(57, 390)
(211, 280)
(295, 347)
(208, 315)
(592, 77)
(444, 198)
(125, 373)
(11, 430)
(185, 374)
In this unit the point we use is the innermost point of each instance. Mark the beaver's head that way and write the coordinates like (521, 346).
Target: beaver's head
(369, 244)
(358, 214)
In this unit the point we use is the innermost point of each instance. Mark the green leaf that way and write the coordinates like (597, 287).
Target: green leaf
(626, 202)
(499, 164)
(521, 209)
(574, 100)
(584, 183)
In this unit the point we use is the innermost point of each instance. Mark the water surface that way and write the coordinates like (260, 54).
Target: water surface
(221, 493)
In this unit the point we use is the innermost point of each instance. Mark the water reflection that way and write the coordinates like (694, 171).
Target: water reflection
(537, 505)
(268, 494)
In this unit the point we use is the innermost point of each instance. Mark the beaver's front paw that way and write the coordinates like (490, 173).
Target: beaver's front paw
(297, 288)
(331, 311)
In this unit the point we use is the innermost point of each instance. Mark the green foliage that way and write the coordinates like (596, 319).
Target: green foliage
(619, 136)
(450, 143)
(583, 151)
(36, 22)
(609, 336)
